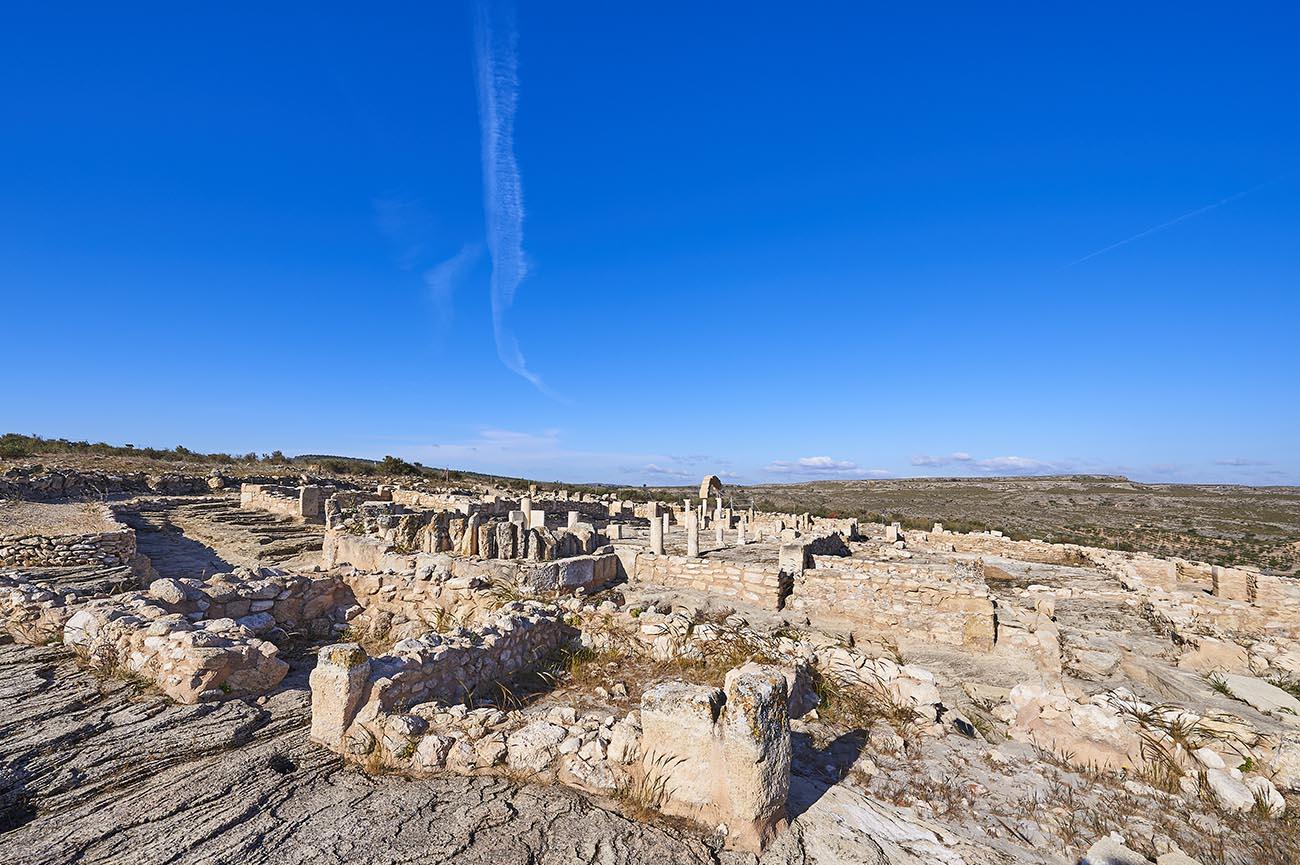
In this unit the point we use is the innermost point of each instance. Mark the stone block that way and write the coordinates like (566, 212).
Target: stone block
(338, 685)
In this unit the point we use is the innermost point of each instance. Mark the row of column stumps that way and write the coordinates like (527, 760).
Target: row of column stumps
(659, 524)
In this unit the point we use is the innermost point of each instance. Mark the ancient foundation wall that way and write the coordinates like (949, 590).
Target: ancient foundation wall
(752, 582)
(38, 483)
(944, 603)
(350, 688)
(996, 545)
(305, 503)
(113, 546)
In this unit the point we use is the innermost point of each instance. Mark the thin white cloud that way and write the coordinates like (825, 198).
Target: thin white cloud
(1017, 466)
(822, 466)
(496, 59)
(1008, 465)
(441, 280)
(658, 470)
(926, 460)
(1241, 462)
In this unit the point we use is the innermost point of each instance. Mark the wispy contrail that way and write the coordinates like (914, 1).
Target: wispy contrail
(503, 201)
(442, 278)
(1177, 219)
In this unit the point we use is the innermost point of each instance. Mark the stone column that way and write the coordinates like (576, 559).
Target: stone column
(573, 518)
(337, 684)
(740, 533)
(657, 535)
(718, 533)
(692, 535)
(666, 520)
(526, 505)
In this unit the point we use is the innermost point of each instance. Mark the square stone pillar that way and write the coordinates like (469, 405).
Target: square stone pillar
(740, 533)
(718, 533)
(338, 683)
(666, 520)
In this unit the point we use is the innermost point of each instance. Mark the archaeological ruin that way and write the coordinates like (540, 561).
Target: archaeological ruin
(700, 659)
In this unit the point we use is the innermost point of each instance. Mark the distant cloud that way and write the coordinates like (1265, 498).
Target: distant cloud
(822, 467)
(441, 280)
(1017, 466)
(496, 58)
(1241, 462)
(653, 469)
(1009, 465)
(958, 457)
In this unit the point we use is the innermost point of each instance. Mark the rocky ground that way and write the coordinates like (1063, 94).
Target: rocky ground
(96, 772)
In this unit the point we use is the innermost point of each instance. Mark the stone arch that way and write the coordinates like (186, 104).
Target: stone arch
(710, 486)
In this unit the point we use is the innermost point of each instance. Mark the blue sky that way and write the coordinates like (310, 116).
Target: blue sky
(766, 240)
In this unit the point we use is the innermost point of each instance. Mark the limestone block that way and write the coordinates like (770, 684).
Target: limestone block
(337, 686)
(1231, 584)
(756, 755)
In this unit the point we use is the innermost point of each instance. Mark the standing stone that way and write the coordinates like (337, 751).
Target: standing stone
(487, 541)
(718, 534)
(740, 533)
(337, 684)
(573, 518)
(536, 519)
(657, 536)
(614, 531)
(692, 535)
(756, 750)
(891, 534)
(469, 543)
(666, 519)
(506, 540)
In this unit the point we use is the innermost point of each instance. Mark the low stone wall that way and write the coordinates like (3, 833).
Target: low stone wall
(752, 582)
(109, 547)
(943, 603)
(988, 544)
(351, 690)
(264, 601)
(306, 503)
(39, 483)
(425, 588)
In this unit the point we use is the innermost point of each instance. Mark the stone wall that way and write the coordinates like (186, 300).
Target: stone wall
(306, 503)
(422, 589)
(943, 603)
(751, 582)
(990, 544)
(350, 689)
(114, 546)
(39, 483)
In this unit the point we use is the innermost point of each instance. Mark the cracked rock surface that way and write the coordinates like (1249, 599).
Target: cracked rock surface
(95, 772)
